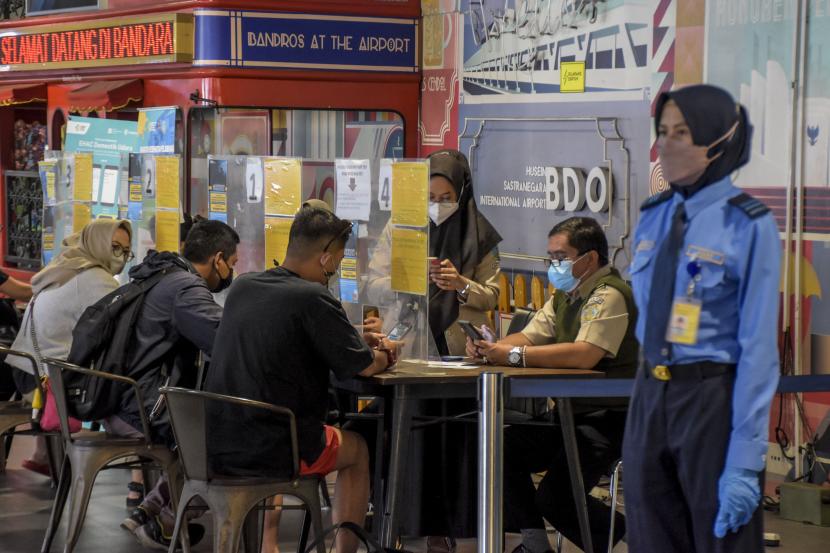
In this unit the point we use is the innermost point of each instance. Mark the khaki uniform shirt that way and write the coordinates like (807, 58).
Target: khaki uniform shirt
(604, 318)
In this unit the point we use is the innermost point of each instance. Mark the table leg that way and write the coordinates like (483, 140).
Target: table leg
(398, 454)
(490, 462)
(575, 470)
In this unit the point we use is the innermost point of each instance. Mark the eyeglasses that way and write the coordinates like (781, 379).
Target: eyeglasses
(120, 251)
(557, 261)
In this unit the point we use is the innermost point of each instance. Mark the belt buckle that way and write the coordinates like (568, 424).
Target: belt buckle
(661, 372)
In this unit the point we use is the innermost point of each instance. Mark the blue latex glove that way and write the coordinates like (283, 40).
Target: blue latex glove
(739, 494)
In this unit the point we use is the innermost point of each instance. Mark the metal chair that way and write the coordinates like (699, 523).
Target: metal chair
(89, 453)
(231, 498)
(615, 485)
(18, 412)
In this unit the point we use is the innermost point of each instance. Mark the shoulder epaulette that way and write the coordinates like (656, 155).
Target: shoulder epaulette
(752, 207)
(657, 199)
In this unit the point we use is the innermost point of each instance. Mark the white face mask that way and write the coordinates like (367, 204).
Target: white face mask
(441, 211)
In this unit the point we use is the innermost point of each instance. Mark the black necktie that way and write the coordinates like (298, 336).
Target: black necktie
(656, 348)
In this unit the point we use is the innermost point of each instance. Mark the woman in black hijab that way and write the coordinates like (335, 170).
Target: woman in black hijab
(464, 281)
(464, 275)
(705, 274)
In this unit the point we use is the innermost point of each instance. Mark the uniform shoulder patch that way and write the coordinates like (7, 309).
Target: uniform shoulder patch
(752, 207)
(657, 199)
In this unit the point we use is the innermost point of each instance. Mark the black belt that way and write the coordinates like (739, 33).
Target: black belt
(689, 371)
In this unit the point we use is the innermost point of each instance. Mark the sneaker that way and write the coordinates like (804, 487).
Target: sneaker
(138, 518)
(151, 535)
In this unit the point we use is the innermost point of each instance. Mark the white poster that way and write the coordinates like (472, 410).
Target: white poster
(385, 185)
(354, 189)
(254, 179)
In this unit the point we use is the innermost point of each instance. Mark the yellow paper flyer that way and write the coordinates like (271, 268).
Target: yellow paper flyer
(167, 231)
(167, 182)
(410, 194)
(276, 239)
(83, 178)
(81, 215)
(409, 260)
(283, 186)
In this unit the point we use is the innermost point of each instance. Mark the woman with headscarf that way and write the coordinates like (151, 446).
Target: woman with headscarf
(464, 278)
(705, 275)
(463, 286)
(75, 279)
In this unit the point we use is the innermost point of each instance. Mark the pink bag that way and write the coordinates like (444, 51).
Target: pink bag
(50, 420)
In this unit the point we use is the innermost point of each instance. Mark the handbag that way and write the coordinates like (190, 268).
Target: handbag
(50, 419)
(371, 545)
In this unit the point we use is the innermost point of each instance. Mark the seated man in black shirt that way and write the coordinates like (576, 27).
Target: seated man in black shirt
(281, 334)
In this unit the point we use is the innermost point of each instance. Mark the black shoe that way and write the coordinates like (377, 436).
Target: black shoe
(136, 520)
(151, 535)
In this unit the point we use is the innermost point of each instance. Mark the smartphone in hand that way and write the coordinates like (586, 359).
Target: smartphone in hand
(470, 330)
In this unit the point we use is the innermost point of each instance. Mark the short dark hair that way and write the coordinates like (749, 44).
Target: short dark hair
(584, 234)
(314, 229)
(206, 238)
(187, 224)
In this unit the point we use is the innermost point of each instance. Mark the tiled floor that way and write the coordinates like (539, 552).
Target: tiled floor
(25, 501)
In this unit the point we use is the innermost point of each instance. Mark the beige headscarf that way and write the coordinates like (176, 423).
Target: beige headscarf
(92, 247)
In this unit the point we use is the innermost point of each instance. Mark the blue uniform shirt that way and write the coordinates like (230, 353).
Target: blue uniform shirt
(740, 262)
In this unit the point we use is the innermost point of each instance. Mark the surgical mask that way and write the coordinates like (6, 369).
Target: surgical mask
(562, 277)
(224, 282)
(680, 160)
(441, 211)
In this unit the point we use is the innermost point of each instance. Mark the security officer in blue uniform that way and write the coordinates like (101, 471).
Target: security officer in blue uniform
(705, 275)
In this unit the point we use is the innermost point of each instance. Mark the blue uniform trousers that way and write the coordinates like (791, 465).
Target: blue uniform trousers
(676, 438)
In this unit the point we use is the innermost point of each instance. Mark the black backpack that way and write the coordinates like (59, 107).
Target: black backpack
(100, 341)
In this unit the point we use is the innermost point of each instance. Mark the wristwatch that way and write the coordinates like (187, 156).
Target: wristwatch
(515, 357)
(464, 292)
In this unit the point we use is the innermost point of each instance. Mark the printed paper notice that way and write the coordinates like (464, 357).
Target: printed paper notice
(83, 178)
(253, 180)
(385, 185)
(283, 186)
(409, 261)
(167, 183)
(354, 189)
(410, 194)
(81, 215)
(276, 239)
(572, 76)
(167, 231)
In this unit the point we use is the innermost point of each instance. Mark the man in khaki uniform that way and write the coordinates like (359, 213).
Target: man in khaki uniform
(588, 323)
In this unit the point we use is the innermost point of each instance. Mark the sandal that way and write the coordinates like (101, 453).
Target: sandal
(135, 487)
(34, 466)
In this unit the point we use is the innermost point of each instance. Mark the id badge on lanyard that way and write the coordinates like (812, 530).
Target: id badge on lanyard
(685, 311)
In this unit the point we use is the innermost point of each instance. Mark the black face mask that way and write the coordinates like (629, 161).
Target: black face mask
(225, 282)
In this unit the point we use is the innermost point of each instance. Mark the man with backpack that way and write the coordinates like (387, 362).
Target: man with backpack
(159, 342)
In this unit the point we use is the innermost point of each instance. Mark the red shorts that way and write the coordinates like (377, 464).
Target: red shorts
(327, 460)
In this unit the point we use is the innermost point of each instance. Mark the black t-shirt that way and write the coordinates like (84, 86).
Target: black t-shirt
(280, 336)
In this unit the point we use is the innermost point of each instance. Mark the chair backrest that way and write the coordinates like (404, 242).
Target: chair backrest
(520, 291)
(189, 416)
(32, 361)
(504, 293)
(521, 317)
(57, 367)
(537, 292)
